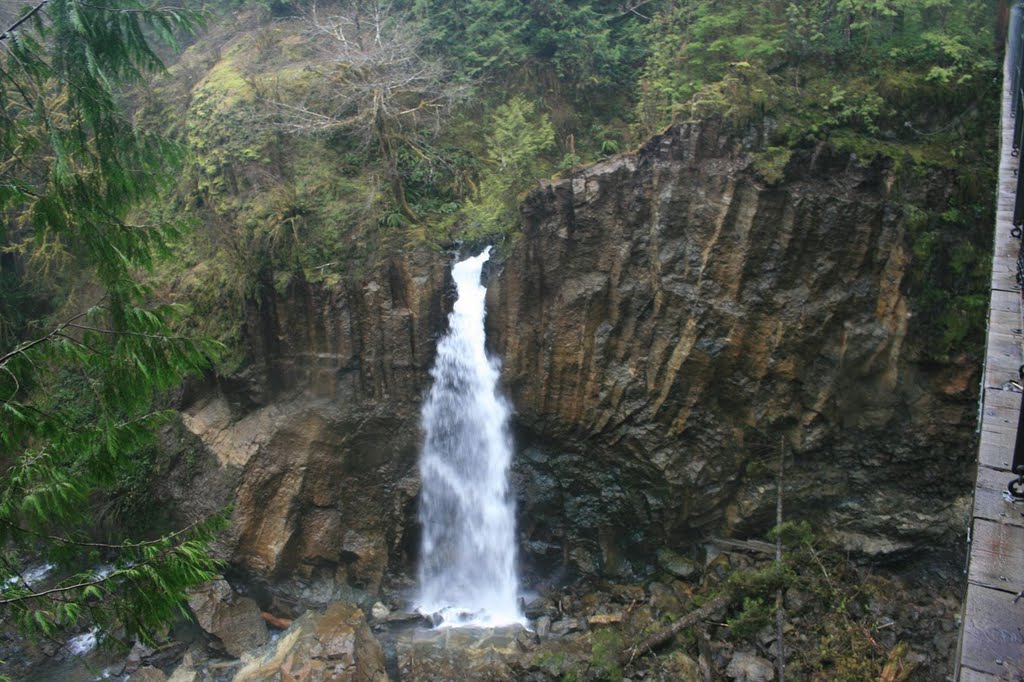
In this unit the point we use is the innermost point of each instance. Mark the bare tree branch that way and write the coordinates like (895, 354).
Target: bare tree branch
(374, 82)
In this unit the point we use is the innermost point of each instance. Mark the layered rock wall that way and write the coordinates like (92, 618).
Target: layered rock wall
(667, 321)
(319, 436)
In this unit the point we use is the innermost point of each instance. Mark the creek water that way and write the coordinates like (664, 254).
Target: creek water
(467, 572)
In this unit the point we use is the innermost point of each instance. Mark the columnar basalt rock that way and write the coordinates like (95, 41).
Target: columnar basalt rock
(319, 435)
(667, 321)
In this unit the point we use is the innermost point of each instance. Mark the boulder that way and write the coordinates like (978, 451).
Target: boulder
(379, 611)
(233, 619)
(139, 651)
(680, 667)
(486, 654)
(148, 674)
(663, 599)
(543, 626)
(565, 626)
(677, 564)
(746, 666)
(333, 646)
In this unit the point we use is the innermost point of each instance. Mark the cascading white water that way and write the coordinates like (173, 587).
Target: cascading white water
(467, 568)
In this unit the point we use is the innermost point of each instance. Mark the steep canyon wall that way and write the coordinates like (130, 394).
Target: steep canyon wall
(666, 322)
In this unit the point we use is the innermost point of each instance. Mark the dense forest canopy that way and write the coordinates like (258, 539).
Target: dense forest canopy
(912, 82)
(306, 139)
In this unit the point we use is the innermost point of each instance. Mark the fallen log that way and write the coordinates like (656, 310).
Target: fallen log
(661, 636)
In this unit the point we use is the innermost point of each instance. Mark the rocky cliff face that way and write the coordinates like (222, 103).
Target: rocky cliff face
(315, 444)
(667, 322)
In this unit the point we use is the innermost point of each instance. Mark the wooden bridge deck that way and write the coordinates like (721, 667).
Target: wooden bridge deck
(992, 631)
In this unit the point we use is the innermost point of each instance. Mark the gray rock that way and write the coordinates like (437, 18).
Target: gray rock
(677, 564)
(138, 652)
(232, 619)
(184, 673)
(681, 667)
(148, 674)
(334, 645)
(543, 626)
(538, 607)
(663, 599)
(565, 626)
(746, 666)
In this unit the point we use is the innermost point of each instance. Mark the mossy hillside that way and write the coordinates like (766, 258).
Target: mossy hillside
(916, 97)
(264, 205)
(912, 86)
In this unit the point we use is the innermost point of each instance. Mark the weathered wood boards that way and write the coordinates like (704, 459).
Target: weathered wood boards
(992, 631)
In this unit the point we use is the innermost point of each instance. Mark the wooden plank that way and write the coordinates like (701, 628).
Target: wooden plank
(968, 675)
(998, 428)
(999, 423)
(1002, 368)
(990, 500)
(992, 631)
(995, 455)
(999, 417)
(1008, 301)
(1004, 348)
(1002, 398)
(1004, 272)
(998, 437)
(992, 505)
(1007, 321)
(997, 555)
(995, 479)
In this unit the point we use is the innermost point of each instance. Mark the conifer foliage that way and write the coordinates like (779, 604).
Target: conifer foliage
(78, 392)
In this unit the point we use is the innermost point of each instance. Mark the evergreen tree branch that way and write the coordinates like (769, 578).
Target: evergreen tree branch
(116, 332)
(91, 583)
(82, 344)
(28, 15)
(17, 384)
(104, 545)
(22, 348)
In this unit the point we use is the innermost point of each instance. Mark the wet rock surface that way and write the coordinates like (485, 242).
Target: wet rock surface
(667, 321)
(335, 646)
(746, 666)
(315, 443)
(233, 619)
(664, 322)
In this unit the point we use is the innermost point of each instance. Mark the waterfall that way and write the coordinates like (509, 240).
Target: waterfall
(467, 567)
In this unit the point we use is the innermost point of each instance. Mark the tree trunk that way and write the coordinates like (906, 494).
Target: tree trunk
(394, 177)
(662, 636)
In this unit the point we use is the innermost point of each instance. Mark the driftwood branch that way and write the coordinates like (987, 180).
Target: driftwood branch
(658, 638)
(751, 546)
